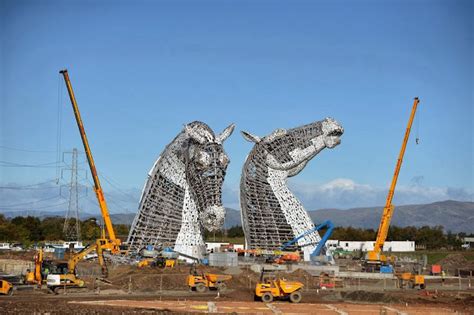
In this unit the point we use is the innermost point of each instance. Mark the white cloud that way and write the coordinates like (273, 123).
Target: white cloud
(339, 193)
(346, 193)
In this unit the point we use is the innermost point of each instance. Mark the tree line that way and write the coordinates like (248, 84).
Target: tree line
(30, 230)
(431, 237)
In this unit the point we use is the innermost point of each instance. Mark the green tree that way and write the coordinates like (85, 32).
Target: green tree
(52, 228)
(90, 230)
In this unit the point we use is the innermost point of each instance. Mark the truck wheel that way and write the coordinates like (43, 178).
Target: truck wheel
(422, 286)
(267, 298)
(200, 287)
(10, 292)
(295, 297)
(411, 285)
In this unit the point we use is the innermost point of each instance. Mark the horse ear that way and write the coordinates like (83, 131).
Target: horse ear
(193, 134)
(250, 137)
(225, 134)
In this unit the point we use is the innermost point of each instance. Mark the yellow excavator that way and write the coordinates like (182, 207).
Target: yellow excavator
(110, 243)
(35, 276)
(375, 259)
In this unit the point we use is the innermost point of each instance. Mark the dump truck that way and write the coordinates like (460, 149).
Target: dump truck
(270, 287)
(411, 280)
(6, 288)
(203, 282)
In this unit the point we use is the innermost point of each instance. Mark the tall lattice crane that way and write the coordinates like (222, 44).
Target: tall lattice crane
(110, 243)
(375, 257)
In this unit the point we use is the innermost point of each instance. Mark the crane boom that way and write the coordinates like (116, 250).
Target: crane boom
(389, 208)
(97, 187)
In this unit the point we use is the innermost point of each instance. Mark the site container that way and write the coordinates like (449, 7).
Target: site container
(225, 259)
(435, 269)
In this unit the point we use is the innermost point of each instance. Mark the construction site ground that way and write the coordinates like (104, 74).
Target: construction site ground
(129, 290)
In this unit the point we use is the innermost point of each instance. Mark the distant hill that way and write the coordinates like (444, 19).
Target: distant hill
(455, 216)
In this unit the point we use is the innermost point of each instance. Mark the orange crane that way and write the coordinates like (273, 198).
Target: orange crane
(110, 243)
(375, 257)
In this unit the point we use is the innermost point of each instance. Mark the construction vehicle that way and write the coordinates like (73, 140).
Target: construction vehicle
(36, 277)
(270, 287)
(410, 279)
(288, 258)
(327, 281)
(374, 258)
(110, 243)
(205, 281)
(159, 262)
(6, 288)
(316, 254)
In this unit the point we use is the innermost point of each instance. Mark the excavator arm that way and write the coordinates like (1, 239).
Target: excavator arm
(99, 246)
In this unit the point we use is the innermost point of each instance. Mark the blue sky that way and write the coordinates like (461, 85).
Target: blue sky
(142, 70)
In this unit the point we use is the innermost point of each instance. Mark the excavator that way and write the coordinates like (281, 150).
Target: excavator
(375, 259)
(316, 254)
(36, 276)
(68, 278)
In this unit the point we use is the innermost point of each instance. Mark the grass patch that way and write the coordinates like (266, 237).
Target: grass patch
(469, 256)
(223, 239)
(435, 257)
(432, 256)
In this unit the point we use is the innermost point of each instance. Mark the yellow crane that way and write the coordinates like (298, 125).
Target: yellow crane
(110, 243)
(375, 257)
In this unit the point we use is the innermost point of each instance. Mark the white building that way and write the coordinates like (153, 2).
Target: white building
(393, 246)
(468, 242)
(4, 246)
(217, 246)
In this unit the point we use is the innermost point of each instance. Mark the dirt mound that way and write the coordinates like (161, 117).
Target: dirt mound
(453, 262)
(366, 296)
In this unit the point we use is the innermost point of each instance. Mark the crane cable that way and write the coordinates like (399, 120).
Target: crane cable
(59, 129)
(417, 131)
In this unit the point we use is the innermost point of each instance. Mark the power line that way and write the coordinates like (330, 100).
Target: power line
(28, 188)
(49, 206)
(26, 150)
(109, 180)
(41, 165)
(30, 185)
(29, 203)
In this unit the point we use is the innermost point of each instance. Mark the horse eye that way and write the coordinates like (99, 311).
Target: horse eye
(203, 158)
(223, 159)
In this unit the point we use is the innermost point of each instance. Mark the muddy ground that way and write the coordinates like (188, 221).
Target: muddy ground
(128, 283)
(40, 302)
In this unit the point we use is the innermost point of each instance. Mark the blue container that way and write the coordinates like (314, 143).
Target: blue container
(386, 269)
(59, 253)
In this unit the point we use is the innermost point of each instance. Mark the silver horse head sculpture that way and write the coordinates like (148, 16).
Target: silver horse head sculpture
(271, 214)
(182, 195)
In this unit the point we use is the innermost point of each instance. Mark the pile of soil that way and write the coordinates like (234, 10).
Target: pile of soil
(366, 296)
(20, 255)
(452, 262)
